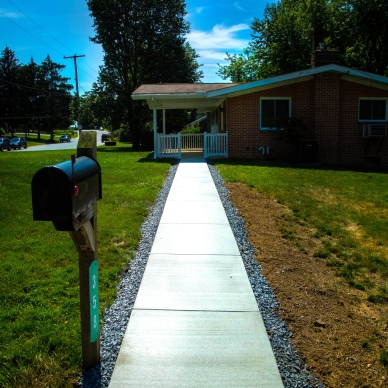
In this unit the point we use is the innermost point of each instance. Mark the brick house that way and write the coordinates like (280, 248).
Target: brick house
(345, 110)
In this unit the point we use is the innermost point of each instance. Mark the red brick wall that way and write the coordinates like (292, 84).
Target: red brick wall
(354, 148)
(243, 113)
(329, 107)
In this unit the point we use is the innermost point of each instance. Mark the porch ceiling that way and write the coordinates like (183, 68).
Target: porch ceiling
(184, 102)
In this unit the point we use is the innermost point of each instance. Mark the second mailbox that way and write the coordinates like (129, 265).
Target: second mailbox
(62, 192)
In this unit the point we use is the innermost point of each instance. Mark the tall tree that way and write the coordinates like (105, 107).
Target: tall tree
(26, 95)
(9, 66)
(53, 98)
(369, 27)
(284, 39)
(144, 42)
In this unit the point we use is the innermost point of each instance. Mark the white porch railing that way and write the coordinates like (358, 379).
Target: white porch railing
(168, 146)
(211, 144)
(215, 144)
(192, 142)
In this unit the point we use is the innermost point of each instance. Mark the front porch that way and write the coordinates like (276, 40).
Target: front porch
(191, 145)
(159, 97)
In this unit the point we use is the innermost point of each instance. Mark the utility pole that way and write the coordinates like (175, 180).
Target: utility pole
(76, 83)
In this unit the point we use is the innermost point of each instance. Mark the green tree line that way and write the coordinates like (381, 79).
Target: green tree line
(33, 96)
(283, 40)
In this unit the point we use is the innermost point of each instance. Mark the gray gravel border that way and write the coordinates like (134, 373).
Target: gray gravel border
(116, 316)
(292, 369)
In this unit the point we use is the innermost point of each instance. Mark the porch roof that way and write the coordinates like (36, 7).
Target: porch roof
(181, 96)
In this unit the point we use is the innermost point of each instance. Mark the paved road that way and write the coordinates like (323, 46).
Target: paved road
(72, 145)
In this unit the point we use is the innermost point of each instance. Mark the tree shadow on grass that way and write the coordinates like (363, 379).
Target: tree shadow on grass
(116, 148)
(149, 158)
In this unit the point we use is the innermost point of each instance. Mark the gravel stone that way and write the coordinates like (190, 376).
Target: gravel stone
(292, 369)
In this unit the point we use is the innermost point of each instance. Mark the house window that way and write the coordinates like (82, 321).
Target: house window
(372, 110)
(273, 108)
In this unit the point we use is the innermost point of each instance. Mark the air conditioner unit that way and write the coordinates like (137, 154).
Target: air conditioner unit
(374, 130)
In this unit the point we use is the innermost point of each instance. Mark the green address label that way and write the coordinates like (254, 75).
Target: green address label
(93, 292)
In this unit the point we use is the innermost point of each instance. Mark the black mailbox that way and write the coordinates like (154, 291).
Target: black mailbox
(62, 192)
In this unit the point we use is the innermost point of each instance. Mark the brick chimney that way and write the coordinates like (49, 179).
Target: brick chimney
(325, 57)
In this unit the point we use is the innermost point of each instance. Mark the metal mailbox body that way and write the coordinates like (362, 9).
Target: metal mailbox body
(53, 196)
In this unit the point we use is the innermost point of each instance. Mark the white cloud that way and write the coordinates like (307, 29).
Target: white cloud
(212, 46)
(199, 9)
(211, 55)
(10, 15)
(238, 6)
(219, 37)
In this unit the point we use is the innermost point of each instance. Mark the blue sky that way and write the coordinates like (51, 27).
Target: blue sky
(62, 28)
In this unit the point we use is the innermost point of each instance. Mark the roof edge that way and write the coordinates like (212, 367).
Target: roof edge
(246, 87)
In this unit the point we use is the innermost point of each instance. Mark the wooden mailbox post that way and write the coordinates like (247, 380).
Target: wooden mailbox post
(67, 195)
(85, 240)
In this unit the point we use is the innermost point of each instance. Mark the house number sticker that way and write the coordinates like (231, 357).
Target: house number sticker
(93, 292)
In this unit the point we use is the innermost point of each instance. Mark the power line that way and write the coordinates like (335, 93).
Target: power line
(40, 26)
(47, 34)
(29, 117)
(82, 88)
(83, 71)
(29, 33)
(42, 91)
(89, 66)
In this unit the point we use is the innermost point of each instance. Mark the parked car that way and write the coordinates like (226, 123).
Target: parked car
(4, 143)
(64, 138)
(18, 142)
(104, 137)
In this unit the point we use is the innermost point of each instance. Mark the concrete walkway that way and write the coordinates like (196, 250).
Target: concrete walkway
(195, 322)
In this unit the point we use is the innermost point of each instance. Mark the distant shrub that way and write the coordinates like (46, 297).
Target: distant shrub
(190, 129)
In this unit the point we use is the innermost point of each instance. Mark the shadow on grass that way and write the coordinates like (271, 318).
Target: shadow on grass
(150, 159)
(122, 147)
(291, 165)
(127, 147)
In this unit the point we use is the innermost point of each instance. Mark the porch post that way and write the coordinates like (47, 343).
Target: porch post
(222, 118)
(155, 130)
(205, 144)
(164, 121)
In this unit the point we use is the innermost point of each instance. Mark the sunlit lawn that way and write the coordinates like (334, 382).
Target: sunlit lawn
(39, 313)
(348, 210)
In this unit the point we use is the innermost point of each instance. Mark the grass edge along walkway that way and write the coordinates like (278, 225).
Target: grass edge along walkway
(348, 210)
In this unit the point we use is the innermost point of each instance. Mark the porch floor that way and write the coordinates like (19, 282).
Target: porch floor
(195, 322)
(191, 154)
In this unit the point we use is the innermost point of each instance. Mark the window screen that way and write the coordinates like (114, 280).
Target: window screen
(372, 110)
(272, 109)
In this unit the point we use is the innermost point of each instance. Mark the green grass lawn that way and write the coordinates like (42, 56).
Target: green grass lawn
(347, 209)
(40, 316)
